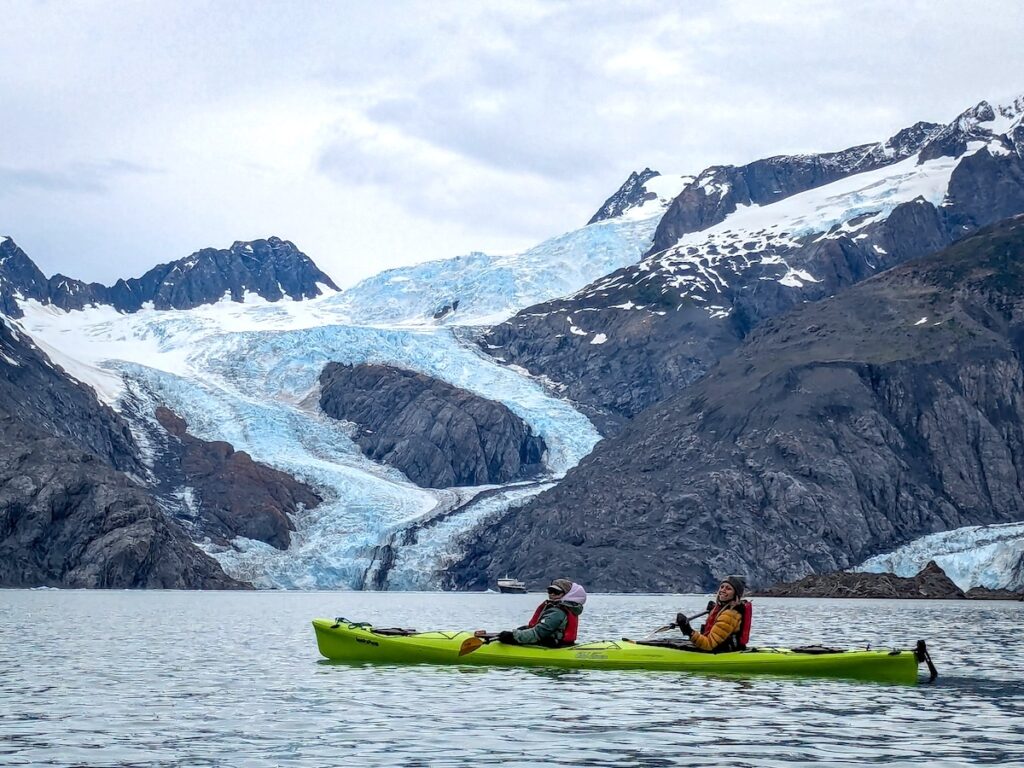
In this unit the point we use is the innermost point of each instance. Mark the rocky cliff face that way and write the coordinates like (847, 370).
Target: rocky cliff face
(638, 335)
(837, 431)
(69, 520)
(232, 495)
(271, 268)
(72, 511)
(36, 392)
(436, 434)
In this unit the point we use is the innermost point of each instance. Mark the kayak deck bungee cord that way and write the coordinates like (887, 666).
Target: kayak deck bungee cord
(343, 640)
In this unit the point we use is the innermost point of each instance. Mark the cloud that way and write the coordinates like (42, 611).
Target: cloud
(87, 177)
(416, 130)
(432, 181)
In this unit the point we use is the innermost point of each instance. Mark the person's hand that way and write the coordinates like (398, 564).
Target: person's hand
(684, 624)
(480, 633)
(506, 636)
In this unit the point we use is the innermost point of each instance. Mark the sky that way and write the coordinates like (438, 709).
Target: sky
(377, 135)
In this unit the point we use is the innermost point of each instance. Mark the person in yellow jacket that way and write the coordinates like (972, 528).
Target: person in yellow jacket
(724, 627)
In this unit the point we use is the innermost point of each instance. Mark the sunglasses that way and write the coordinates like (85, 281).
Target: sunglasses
(553, 591)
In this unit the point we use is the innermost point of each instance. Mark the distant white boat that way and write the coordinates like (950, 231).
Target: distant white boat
(511, 586)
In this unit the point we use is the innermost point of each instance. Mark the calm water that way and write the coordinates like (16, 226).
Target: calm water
(227, 679)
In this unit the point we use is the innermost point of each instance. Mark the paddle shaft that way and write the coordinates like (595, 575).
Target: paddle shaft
(667, 627)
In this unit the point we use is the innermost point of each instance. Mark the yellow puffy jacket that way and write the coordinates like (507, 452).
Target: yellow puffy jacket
(727, 623)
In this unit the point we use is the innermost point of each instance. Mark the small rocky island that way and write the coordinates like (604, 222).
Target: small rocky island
(931, 583)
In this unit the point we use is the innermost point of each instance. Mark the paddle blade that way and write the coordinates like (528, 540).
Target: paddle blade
(470, 644)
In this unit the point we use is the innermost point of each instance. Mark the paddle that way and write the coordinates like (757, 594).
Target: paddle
(470, 644)
(667, 627)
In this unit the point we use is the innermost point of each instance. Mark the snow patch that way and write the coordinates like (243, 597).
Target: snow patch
(795, 278)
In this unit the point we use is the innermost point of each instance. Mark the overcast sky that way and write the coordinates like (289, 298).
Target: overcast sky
(380, 134)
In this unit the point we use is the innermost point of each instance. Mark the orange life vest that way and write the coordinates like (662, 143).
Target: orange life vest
(571, 625)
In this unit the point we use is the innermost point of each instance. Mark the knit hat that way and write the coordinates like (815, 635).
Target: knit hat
(737, 583)
(562, 585)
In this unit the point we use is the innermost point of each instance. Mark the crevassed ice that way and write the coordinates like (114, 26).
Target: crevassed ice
(248, 374)
(490, 288)
(975, 556)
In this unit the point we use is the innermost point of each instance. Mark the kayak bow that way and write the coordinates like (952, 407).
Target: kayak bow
(341, 640)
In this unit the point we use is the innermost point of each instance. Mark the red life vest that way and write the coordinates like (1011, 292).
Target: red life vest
(737, 641)
(571, 625)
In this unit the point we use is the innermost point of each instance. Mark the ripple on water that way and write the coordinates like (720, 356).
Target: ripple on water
(223, 679)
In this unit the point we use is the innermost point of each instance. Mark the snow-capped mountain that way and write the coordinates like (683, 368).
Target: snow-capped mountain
(727, 249)
(271, 268)
(641, 333)
(840, 430)
(245, 372)
(632, 194)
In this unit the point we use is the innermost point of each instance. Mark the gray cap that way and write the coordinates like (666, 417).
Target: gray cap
(738, 583)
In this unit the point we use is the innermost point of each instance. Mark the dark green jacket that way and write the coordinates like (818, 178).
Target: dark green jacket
(550, 627)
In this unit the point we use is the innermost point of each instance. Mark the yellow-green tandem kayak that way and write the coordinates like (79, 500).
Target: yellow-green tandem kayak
(341, 640)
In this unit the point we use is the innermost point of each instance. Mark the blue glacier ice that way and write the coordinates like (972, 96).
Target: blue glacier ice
(491, 288)
(247, 373)
(975, 556)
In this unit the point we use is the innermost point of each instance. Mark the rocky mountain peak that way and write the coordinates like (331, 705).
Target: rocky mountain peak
(999, 127)
(631, 194)
(271, 268)
(19, 277)
(720, 190)
(742, 244)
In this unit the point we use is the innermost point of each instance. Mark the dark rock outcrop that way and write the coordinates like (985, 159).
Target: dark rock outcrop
(71, 513)
(838, 431)
(18, 276)
(631, 194)
(69, 520)
(437, 434)
(984, 593)
(271, 268)
(35, 391)
(931, 583)
(235, 495)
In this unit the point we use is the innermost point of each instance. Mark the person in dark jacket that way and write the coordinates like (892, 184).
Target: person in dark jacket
(555, 620)
(722, 630)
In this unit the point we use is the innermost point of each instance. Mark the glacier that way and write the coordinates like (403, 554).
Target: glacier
(978, 555)
(247, 373)
(491, 288)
